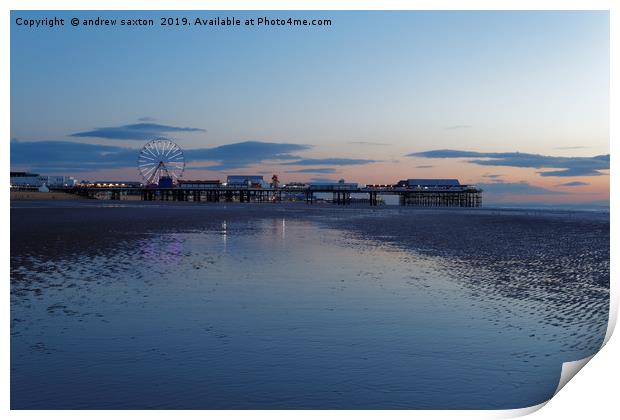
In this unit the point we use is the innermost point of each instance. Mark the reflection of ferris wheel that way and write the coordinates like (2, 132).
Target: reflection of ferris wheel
(161, 158)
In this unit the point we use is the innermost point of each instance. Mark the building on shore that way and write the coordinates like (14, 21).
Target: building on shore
(27, 180)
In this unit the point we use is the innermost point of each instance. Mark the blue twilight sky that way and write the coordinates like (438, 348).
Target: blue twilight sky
(375, 97)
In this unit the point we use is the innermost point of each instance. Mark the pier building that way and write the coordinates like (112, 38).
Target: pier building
(246, 181)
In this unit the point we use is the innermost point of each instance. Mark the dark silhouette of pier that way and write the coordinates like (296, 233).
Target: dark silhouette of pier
(450, 196)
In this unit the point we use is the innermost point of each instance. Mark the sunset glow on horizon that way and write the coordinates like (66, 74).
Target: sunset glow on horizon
(515, 102)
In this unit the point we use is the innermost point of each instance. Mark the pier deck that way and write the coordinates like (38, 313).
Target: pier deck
(463, 196)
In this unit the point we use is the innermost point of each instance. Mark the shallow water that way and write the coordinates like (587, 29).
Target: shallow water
(277, 313)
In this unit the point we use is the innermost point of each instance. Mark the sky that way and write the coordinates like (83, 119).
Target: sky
(516, 102)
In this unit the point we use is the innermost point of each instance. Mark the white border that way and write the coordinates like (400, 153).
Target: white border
(597, 383)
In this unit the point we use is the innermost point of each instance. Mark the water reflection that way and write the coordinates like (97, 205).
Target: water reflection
(224, 233)
(178, 321)
(167, 249)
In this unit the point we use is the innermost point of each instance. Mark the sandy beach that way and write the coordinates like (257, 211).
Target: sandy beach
(194, 305)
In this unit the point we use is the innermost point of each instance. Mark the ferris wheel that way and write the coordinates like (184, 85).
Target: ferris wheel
(161, 158)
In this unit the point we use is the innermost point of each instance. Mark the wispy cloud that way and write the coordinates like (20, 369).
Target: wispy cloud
(570, 147)
(447, 154)
(565, 166)
(368, 143)
(492, 176)
(332, 161)
(140, 131)
(243, 154)
(573, 184)
(517, 188)
(68, 157)
(314, 171)
(425, 166)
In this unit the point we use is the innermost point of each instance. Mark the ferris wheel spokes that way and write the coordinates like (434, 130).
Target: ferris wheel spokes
(159, 159)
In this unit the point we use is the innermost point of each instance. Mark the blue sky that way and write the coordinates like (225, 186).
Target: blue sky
(375, 97)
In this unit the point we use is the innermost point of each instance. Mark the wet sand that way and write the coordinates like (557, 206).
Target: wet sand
(345, 307)
(548, 238)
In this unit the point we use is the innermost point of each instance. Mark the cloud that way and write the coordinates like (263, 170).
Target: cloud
(581, 169)
(570, 147)
(517, 188)
(331, 161)
(446, 154)
(140, 131)
(80, 157)
(314, 170)
(566, 166)
(492, 176)
(68, 157)
(65, 156)
(368, 143)
(240, 155)
(425, 166)
(457, 127)
(573, 184)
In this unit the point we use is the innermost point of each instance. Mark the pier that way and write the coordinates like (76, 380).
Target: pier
(254, 189)
(461, 196)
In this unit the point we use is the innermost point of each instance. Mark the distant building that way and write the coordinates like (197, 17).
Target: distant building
(199, 185)
(25, 179)
(428, 183)
(32, 180)
(333, 186)
(55, 181)
(246, 181)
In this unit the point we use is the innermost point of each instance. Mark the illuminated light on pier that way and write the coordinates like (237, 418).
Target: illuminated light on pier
(429, 193)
